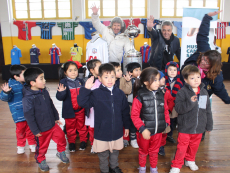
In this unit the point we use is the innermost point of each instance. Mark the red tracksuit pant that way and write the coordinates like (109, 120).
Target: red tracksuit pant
(187, 147)
(57, 135)
(149, 147)
(163, 140)
(76, 123)
(91, 135)
(23, 132)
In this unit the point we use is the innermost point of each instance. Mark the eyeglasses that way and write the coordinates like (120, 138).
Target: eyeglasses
(205, 60)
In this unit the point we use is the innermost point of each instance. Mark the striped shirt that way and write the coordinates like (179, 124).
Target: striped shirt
(46, 29)
(67, 29)
(221, 30)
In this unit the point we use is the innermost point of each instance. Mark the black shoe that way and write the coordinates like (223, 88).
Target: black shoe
(162, 151)
(115, 170)
(170, 139)
(203, 136)
(72, 147)
(82, 145)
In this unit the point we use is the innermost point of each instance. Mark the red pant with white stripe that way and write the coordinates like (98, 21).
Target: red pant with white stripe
(91, 134)
(23, 132)
(57, 135)
(76, 123)
(163, 140)
(187, 147)
(149, 147)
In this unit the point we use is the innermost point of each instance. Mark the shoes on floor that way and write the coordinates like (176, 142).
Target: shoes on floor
(192, 165)
(82, 145)
(134, 143)
(21, 150)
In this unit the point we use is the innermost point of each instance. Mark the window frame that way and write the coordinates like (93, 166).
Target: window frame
(42, 10)
(175, 3)
(116, 10)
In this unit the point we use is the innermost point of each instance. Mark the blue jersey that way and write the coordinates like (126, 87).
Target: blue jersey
(179, 28)
(34, 53)
(144, 22)
(46, 29)
(88, 26)
(54, 53)
(15, 56)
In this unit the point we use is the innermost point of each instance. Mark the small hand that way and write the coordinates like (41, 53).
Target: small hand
(214, 13)
(5, 87)
(194, 98)
(146, 134)
(127, 77)
(89, 83)
(94, 9)
(61, 87)
(208, 131)
(126, 133)
(58, 122)
(38, 135)
(150, 23)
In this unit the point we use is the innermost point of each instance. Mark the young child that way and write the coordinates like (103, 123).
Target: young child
(194, 117)
(93, 67)
(173, 84)
(12, 93)
(42, 117)
(111, 111)
(150, 116)
(170, 102)
(134, 70)
(124, 84)
(74, 115)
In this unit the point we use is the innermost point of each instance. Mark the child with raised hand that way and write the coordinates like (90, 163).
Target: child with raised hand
(194, 118)
(93, 67)
(111, 111)
(42, 117)
(12, 93)
(150, 116)
(74, 115)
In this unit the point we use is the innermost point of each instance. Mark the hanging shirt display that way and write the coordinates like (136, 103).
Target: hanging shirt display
(46, 29)
(179, 28)
(145, 51)
(54, 54)
(88, 26)
(67, 29)
(76, 53)
(144, 22)
(221, 30)
(135, 22)
(24, 29)
(34, 53)
(15, 56)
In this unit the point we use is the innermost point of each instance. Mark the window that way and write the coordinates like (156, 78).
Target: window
(174, 8)
(122, 8)
(42, 9)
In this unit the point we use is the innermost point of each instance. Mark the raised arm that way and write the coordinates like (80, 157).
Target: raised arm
(151, 31)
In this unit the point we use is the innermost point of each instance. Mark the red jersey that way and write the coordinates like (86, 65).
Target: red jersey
(24, 29)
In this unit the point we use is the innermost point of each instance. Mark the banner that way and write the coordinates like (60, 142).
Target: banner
(191, 21)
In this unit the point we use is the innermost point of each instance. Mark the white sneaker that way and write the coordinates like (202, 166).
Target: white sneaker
(134, 143)
(192, 165)
(32, 148)
(92, 152)
(21, 150)
(174, 170)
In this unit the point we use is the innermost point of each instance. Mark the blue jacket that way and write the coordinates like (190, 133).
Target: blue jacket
(213, 87)
(39, 110)
(111, 111)
(65, 97)
(14, 99)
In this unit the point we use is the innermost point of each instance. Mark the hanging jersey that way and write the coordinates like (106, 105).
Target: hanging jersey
(221, 30)
(144, 22)
(46, 29)
(179, 28)
(55, 53)
(24, 29)
(15, 56)
(135, 22)
(34, 53)
(145, 51)
(88, 26)
(67, 29)
(76, 53)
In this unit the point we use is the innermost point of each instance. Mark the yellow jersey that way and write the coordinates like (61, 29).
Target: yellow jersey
(76, 53)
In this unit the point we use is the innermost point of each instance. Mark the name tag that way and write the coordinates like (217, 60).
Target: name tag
(202, 102)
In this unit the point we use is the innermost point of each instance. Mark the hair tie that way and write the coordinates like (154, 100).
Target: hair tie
(62, 66)
(138, 77)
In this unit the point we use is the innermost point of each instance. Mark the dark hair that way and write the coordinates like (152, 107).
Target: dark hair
(16, 70)
(31, 74)
(188, 70)
(131, 66)
(92, 63)
(172, 65)
(64, 68)
(147, 75)
(115, 64)
(107, 67)
(214, 58)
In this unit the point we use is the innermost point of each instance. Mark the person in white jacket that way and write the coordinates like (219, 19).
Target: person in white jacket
(113, 34)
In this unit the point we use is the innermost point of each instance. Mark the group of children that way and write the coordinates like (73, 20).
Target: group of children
(114, 109)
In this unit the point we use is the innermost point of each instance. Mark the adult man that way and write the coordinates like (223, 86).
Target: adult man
(113, 34)
(164, 44)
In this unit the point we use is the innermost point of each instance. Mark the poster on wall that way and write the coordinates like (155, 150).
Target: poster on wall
(191, 21)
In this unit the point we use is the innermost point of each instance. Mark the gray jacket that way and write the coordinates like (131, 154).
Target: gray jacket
(193, 117)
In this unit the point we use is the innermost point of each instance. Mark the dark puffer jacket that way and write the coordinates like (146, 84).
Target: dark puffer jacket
(150, 110)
